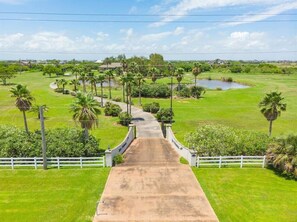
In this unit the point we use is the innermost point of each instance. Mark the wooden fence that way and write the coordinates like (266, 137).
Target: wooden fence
(54, 162)
(240, 161)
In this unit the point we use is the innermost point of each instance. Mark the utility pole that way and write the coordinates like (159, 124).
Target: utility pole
(43, 138)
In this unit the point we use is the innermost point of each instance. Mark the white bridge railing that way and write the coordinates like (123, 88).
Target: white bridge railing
(54, 162)
(240, 161)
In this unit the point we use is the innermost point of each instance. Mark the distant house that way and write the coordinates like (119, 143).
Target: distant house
(113, 65)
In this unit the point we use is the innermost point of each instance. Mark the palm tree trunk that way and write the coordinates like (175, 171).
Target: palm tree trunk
(123, 92)
(130, 101)
(25, 122)
(139, 95)
(127, 94)
(270, 127)
(195, 80)
(86, 133)
(109, 87)
(101, 86)
(178, 86)
(95, 86)
(84, 86)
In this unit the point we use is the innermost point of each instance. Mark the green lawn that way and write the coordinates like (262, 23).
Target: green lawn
(52, 195)
(249, 194)
(236, 108)
(58, 114)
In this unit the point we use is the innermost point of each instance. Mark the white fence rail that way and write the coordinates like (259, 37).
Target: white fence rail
(240, 161)
(54, 162)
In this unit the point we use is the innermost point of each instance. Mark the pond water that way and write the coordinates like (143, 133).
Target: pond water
(214, 84)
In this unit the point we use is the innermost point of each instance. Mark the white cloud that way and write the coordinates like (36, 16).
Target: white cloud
(102, 36)
(184, 7)
(7, 41)
(128, 33)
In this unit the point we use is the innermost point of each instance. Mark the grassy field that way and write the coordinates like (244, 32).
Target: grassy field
(52, 195)
(58, 114)
(249, 194)
(236, 107)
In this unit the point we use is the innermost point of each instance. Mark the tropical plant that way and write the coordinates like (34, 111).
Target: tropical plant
(77, 70)
(179, 76)
(165, 115)
(112, 109)
(197, 91)
(154, 74)
(83, 77)
(36, 109)
(271, 107)
(63, 82)
(101, 79)
(282, 155)
(86, 110)
(139, 80)
(23, 100)
(196, 71)
(109, 74)
(75, 83)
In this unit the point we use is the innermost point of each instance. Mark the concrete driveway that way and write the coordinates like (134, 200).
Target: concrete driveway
(153, 186)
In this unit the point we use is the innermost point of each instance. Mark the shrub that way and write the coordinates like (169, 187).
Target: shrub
(117, 99)
(73, 93)
(209, 78)
(151, 107)
(184, 92)
(282, 156)
(58, 90)
(125, 118)
(216, 140)
(62, 142)
(66, 91)
(164, 115)
(197, 91)
(229, 79)
(118, 159)
(152, 91)
(112, 109)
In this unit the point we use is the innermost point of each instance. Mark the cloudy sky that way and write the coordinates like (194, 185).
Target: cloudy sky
(184, 29)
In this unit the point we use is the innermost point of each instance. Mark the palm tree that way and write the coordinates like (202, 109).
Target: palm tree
(107, 61)
(63, 82)
(23, 101)
(139, 79)
(83, 77)
(122, 80)
(101, 79)
(128, 80)
(109, 75)
(196, 71)
(86, 110)
(154, 73)
(92, 81)
(179, 76)
(76, 70)
(271, 107)
(75, 83)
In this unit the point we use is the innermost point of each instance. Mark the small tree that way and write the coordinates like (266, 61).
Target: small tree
(6, 73)
(271, 107)
(109, 74)
(179, 76)
(196, 71)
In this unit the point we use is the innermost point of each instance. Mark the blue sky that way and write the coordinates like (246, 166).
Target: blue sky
(226, 29)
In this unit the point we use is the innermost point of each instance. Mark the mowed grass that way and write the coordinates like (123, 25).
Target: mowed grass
(52, 195)
(59, 115)
(249, 194)
(236, 108)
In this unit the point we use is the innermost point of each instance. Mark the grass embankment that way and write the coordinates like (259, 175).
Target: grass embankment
(249, 194)
(236, 108)
(52, 195)
(109, 132)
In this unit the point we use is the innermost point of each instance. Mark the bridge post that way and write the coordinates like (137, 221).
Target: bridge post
(108, 158)
(193, 160)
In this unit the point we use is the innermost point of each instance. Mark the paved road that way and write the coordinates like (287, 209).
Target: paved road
(146, 124)
(153, 186)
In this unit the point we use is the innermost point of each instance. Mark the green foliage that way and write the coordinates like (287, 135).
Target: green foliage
(269, 68)
(152, 91)
(236, 68)
(51, 69)
(228, 79)
(184, 92)
(112, 109)
(118, 159)
(61, 142)
(125, 118)
(216, 140)
(6, 73)
(282, 156)
(117, 99)
(197, 91)
(164, 115)
(151, 107)
(183, 161)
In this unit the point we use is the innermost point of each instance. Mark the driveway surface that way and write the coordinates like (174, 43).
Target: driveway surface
(153, 186)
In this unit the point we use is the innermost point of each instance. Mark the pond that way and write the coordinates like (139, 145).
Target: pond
(214, 84)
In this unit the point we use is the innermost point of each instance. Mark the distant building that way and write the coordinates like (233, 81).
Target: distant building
(113, 65)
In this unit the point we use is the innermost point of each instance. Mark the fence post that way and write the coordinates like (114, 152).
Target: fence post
(264, 160)
(58, 162)
(108, 158)
(198, 161)
(241, 161)
(220, 162)
(81, 163)
(193, 157)
(11, 161)
(35, 163)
